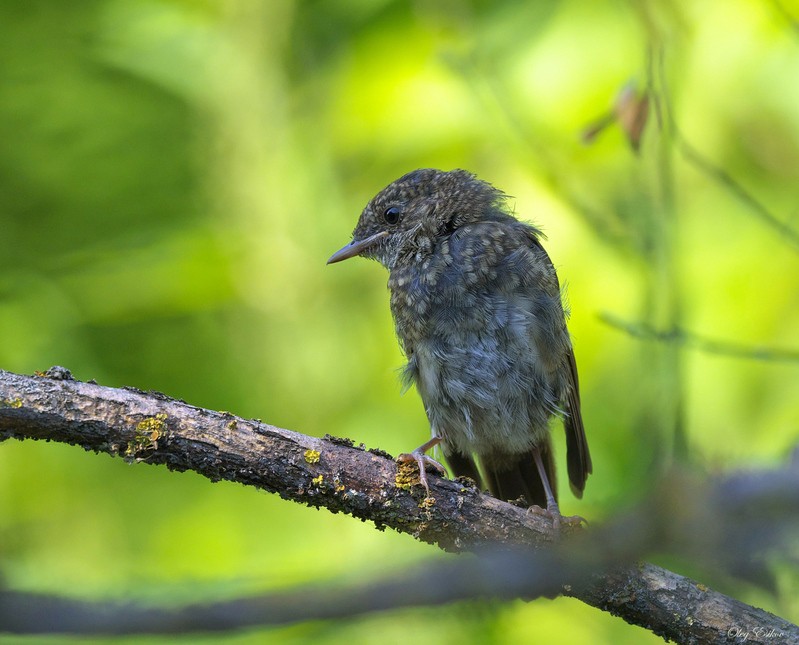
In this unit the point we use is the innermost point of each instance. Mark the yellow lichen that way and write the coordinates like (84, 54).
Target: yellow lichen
(317, 481)
(312, 456)
(153, 425)
(232, 424)
(11, 403)
(407, 475)
(427, 503)
(148, 432)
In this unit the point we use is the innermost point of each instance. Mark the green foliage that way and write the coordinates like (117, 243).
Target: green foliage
(174, 174)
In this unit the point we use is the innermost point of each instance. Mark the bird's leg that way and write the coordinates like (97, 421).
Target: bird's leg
(423, 460)
(552, 509)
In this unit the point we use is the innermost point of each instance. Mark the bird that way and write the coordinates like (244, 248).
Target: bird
(478, 312)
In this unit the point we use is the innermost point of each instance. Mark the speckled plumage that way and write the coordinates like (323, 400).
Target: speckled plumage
(477, 310)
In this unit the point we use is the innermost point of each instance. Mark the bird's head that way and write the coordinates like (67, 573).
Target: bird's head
(411, 213)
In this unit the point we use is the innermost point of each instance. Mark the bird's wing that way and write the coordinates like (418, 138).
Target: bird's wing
(578, 458)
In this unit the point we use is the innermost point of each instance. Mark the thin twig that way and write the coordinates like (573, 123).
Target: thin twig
(680, 336)
(793, 22)
(692, 155)
(722, 177)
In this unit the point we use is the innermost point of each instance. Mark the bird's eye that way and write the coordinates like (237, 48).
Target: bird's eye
(391, 215)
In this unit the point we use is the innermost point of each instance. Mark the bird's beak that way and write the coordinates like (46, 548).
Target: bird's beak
(356, 247)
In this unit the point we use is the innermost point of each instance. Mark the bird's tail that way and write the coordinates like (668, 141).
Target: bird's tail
(513, 477)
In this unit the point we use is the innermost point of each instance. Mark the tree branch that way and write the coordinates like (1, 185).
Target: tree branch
(686, 338)
(332, 473)
(150, 427)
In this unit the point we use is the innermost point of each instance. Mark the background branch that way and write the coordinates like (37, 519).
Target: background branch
(681, 336)
(593, 565)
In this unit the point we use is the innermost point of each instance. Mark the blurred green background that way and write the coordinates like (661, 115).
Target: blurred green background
(174, 174)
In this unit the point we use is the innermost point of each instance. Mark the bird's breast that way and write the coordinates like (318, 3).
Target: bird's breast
(484, 356)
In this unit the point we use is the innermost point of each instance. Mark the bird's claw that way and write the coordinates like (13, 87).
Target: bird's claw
(422, 461)
(553, 513)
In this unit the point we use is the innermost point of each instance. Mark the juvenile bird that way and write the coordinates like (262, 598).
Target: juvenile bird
(477, 310)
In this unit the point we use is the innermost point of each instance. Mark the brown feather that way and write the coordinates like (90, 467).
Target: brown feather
(521, 479)
(578, 458)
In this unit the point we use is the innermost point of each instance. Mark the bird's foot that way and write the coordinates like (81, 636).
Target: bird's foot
(422, 461)
(552, 512)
